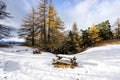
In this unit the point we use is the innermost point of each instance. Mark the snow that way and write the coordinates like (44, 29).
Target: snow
(99, 63)
(66, 56)
(15, 39)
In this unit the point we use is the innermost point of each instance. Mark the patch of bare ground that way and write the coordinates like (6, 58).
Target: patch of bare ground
(106, 42)
(102, 43)
(64, 65)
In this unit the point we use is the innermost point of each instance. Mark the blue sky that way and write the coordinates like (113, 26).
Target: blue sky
(83, 12)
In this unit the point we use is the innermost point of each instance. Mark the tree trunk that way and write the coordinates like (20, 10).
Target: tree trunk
(33, 43)
(44, 23)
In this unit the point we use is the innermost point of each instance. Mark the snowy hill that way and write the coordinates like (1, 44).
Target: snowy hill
(13, 40)
(99, 63)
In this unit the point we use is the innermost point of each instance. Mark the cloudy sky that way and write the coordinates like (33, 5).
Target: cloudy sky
(83, 12)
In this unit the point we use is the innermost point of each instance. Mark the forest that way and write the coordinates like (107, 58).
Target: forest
(44, 29)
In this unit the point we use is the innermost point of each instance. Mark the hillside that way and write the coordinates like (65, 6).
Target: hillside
(99, 63)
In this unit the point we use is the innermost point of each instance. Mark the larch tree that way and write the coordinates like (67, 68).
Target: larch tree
(55, 28)
(51, 20)
(74, 28)
(3, 12)
(94, 34)
(28, 28)
(41, 20)
(44, 26)
(117, 30)
(5, 31)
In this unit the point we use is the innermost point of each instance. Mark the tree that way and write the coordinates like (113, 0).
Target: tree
(86, 41)
(44, 27)
(51, 19)
(29, 27)
(117, 30)
(3, 13)
(55, 28)
(73, 40)
(74, 28)
(94, 34)
(5, 31)
(105, 30)
(41, 22)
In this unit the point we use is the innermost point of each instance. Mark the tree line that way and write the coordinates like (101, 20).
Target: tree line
(43, 28)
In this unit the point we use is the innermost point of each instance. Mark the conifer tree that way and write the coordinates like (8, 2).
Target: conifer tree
(117, 30)
(5, 31)
(41, 22)
(3, 12)
(74, 28)
(73, 40)
(86, 41)
(94, 34)
(28, 28)
(55, 27)
(105, 30)
(46, 26)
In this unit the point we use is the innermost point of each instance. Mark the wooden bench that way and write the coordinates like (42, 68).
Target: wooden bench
(65, 60)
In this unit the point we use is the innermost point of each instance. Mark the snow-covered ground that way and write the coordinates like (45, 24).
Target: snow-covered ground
(99, 63)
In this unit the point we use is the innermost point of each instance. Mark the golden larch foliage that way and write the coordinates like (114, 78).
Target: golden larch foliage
(94, 34)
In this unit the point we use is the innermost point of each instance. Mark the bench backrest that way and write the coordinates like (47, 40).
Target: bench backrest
(66, 56)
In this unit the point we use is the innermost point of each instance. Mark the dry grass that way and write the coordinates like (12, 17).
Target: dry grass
(63, 65)
(108, 42)
(102, 43)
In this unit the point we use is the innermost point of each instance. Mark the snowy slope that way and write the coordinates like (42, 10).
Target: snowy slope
(100, 63)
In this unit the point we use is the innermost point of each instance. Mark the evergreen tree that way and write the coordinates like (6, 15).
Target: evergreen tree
(86, 41)
(73, 41)
(105, 30)
(70, 46)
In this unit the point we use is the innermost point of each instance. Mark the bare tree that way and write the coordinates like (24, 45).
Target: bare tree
(3, 12)
(29, 26)
(5, 31)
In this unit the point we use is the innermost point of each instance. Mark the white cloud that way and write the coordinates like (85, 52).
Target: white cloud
(10, 23)
(83, 12)
(88, 12)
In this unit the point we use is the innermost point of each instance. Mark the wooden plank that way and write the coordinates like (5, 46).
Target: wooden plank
(63, 61)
